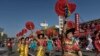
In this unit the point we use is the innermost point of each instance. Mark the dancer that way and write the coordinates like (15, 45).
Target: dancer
(58, 44)
(33, 46)
(71, 48)
(90, 45)
(26, 51)
(21, 48)
(97, 42)
(50, 46)
(41, 48)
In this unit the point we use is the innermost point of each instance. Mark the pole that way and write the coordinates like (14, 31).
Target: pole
(61, 30)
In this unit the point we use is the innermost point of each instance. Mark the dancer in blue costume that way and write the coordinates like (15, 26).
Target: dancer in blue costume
(50, 46)
(33, 46)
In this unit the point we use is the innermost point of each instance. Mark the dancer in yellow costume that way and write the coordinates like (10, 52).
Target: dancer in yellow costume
(21, 47)
(26, 46)
(19, 44)
(41, 49)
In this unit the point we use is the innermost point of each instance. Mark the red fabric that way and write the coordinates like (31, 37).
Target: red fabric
(70, 24)
(58, 43)
(24, 30)
(88, 31)
(98, 27)
(97, 44)
(9, 44)
(42, 43)
(74, 47)
(38, 32)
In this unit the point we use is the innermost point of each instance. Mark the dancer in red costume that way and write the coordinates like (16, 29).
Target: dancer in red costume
(58, 44)
(71, 47)
(41, 47)
(97, 42)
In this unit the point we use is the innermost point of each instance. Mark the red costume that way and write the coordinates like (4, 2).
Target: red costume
(70, 47)
(97, 44)
(58, 43)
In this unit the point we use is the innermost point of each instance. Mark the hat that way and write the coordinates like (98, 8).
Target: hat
(70, 30)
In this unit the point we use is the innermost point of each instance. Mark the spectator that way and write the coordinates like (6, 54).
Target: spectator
(9, 46)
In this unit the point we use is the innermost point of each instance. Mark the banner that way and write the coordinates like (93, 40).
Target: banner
(77, 22)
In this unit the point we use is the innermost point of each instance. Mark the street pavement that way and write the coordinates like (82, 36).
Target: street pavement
(15, 53)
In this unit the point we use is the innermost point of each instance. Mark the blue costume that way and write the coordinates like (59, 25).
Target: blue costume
(33, 45)
(49, 45)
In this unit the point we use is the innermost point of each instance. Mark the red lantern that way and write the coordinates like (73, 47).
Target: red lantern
(71, 7)
(62, 4)
(17, 35)
(30, 25)
(24, 30)
(60, 7)
(49, 32)
(21, 33)
(70, 24)
(38, 32)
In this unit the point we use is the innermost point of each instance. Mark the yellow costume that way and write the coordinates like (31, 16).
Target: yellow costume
(19, 44)
(26, 50)
(40, 51)
(21, 50)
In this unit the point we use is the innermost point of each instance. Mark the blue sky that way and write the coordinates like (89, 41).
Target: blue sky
(14, 13)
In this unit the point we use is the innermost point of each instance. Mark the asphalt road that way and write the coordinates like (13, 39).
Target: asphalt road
(15, 53)
(56, 54)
